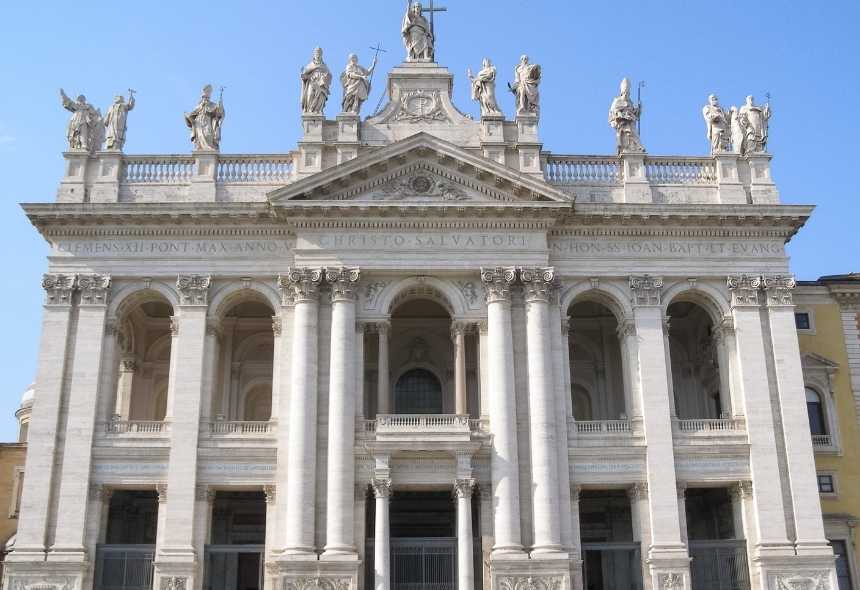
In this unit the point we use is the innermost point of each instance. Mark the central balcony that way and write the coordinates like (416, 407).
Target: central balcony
(422, 427)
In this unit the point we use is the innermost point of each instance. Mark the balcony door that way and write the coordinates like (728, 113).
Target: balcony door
(418, 391)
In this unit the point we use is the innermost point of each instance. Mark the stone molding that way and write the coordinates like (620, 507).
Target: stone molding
(59, 288)
(646, 291)
(94, 288)
(193, 289)
(744, 290)
(778, 290)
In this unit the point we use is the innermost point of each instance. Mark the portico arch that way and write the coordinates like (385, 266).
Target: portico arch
(442, 292)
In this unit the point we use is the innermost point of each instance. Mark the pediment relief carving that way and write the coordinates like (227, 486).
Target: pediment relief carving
(418, 182)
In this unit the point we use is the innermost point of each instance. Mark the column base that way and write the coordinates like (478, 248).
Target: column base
(176, 568)
(43, 574)
(669, 567)
(776, 573)
(342, 553)
(314, 575)
(545, 573)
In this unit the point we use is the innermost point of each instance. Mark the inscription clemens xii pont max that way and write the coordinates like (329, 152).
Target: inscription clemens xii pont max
(560, 247)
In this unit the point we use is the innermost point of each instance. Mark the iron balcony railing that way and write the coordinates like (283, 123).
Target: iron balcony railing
(124, 567)
(719, 565)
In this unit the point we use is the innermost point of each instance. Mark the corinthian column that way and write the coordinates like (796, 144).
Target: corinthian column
(382, 535)
(458, 336)
(383, 389)
(542, 422)
(302, 285)
(340, 496)
(504, 465)
(465, 558)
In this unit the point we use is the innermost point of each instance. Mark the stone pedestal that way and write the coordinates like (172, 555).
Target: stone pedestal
(729, 187)
(528, 145)
(636, 186)
(493, 138)
(762, 188)
(106, 183)
(311, 145)
(348, 125)
(535, 574)
(205, 174)
(73, 186)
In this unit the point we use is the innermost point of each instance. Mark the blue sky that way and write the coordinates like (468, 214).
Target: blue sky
(804, 54)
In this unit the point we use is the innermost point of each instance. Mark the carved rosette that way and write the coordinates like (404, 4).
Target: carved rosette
(497, 283)
(300, 285)
(744, 290)
(58, 288)
(193, 289)
(344, 283)
(94, 288)
(778, 289)
(381, 488)
(539, 283)
(531, 582)
(463, 488)
(646, 290)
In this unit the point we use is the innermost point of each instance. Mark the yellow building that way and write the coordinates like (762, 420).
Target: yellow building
(827, 318)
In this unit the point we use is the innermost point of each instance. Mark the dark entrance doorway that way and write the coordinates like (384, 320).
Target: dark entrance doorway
(611, 558)
(234, 557)
(124, 561)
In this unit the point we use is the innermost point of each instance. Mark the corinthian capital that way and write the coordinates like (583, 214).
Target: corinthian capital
(300, 284)
(94, 288)
(58, 288)
(497, 282)
(381, 488)
(778, 289)
(744, 290)
(193, 289)
(646, 290)
(539, 283)
(463, 487)
(344, 282)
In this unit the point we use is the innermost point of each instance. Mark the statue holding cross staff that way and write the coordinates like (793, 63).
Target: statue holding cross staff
(417, 33)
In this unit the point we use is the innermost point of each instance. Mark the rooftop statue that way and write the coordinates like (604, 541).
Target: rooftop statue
(623, 117)
(736, 130)
(316, 80)
(85, 130)
(525, 87)
(355, 80)
(484, 88)
(417, 34)
(718, 126)
(753, 120)
(116, 121)
(205, 121)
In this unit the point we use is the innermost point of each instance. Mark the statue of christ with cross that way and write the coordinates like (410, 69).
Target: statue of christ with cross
(417, 32)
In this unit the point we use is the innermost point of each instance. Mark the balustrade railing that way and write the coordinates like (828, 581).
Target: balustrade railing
(667, 170)
(694, 425)
(255, 169)
(822, 440)
(239, 427)
(602, 426)
(157, 169)
(135, 427)
(421, 422)
(565, 170)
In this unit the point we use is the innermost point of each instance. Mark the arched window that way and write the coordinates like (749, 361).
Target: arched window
(582, 404)
(258, 404)
(815, 411)
(418, 391)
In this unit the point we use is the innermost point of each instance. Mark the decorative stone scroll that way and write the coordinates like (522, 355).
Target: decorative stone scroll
(744, 290)
(94, 288)
(538, 282)
(646, 290)
(497, 282)
(58, 288)
(344, 283)
(300, 285)
(778, 289)
(193, 289)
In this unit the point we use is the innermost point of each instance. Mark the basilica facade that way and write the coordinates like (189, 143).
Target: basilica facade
(419, 351)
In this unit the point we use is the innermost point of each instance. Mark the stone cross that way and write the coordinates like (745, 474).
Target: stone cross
(433, 10)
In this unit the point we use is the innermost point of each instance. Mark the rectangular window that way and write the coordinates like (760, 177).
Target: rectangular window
(801, 320)
(826, 485)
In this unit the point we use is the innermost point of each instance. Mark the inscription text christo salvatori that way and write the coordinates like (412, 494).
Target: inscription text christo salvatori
(574, 247)
(447, 241)
(178, 248)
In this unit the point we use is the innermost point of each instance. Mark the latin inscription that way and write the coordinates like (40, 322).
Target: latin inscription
(585, 248)
(417, 241)
(173, 248)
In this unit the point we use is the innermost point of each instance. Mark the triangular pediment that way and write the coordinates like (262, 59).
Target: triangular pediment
(420, 169)
(813, 361)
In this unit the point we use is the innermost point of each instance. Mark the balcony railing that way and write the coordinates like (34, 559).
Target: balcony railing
(421, 423)
(598, 427)
(268, 169)
(822, 440)
(148, 427)
(158, 169)
(588, 170)
(240, 427)
(669, 170)
(691, 426)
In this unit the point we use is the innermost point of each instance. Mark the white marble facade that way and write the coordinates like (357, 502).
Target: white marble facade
(238, 322)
